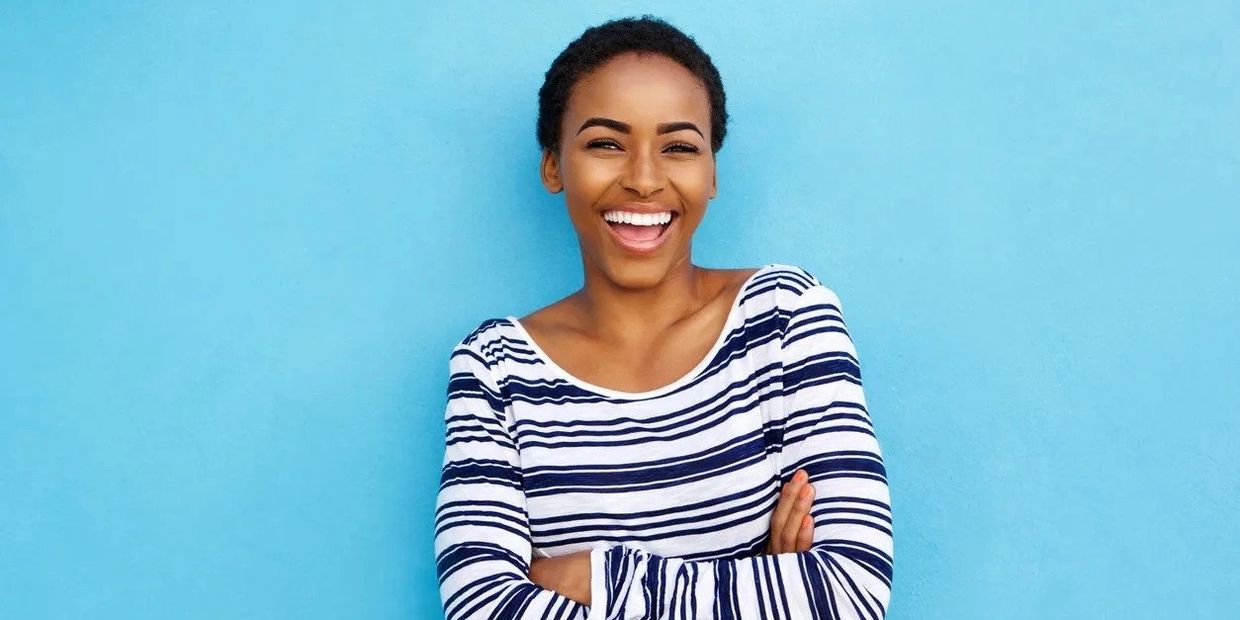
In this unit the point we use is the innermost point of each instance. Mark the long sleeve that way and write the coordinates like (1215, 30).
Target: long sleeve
(825, 430)
(482, 539)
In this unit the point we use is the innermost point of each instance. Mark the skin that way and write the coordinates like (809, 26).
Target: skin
(640, 321)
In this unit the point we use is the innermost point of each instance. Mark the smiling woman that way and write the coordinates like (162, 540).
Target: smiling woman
(636, 152)
(669, 441)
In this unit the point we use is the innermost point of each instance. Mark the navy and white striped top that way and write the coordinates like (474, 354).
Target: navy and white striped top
(671, 489)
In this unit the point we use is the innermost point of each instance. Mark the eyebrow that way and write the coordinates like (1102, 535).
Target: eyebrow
(661, 128)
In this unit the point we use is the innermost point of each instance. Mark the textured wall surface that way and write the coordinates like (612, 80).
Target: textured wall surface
(238, 242)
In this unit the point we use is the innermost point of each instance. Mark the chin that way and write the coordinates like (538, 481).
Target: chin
(637, 273)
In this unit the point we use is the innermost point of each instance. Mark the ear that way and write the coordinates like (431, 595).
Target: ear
(550, 171)
(714, 182)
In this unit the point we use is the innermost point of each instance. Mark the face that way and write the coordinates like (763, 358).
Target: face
(634, 149)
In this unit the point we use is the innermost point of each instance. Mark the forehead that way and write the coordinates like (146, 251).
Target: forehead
(639, 89)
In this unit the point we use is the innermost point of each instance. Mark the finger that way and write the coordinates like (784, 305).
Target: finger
(805, 537)
(800, 508)
(785, 530)
(787, 498)
(783, 506)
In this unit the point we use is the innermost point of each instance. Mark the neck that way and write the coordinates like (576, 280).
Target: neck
(616, 312)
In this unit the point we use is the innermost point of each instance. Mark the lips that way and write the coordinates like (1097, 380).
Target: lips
(641, 240)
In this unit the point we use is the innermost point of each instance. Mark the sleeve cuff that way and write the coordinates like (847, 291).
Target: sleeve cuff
(598, 584)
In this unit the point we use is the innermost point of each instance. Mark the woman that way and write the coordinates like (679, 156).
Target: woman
(670, 441)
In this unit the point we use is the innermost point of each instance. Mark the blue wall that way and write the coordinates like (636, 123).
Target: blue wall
(237, 244)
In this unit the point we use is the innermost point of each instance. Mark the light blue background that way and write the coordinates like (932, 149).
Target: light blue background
(237, 244)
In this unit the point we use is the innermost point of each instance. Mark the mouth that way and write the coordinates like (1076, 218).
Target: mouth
(637, 236)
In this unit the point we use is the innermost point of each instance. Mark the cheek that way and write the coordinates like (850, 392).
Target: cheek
(580, 200)
(585, 184)
(693, 183)
(588, 177)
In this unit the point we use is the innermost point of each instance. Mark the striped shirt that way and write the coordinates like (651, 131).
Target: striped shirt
(671, 489)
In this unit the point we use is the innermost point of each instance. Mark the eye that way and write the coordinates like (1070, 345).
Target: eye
(602, 143)
(681, 147)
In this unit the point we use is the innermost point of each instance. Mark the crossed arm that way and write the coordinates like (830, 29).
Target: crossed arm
(792, 531)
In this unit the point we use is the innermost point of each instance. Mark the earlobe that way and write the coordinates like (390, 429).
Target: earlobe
(550, 171)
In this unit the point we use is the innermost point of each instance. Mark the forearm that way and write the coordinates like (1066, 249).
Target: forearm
(569, 575)
(849, 581)
(846, 574)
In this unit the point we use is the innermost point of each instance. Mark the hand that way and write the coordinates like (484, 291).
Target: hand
(792, 529)
(568, 575)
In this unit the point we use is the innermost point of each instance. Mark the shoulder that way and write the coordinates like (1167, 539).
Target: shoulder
(811, 315)
(794, 286)
(481, 348)
(561, 319)
(486, 333)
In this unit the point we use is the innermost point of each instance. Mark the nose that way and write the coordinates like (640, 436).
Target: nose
(643, 175)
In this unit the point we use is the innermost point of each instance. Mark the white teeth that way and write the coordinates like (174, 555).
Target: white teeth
(638, 219)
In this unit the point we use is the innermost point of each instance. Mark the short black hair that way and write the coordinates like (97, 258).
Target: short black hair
(601, 43)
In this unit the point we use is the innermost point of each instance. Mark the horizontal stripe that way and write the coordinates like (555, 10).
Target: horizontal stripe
(674, 487)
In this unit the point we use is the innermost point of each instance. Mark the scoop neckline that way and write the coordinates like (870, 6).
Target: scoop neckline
(692, 374)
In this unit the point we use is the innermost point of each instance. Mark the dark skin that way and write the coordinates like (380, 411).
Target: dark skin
(641, 322)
